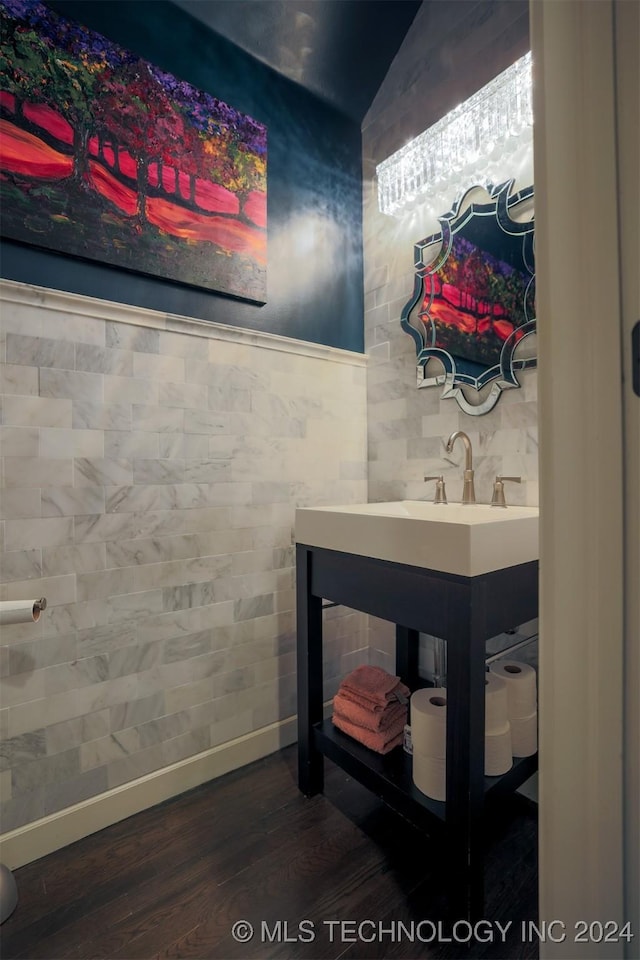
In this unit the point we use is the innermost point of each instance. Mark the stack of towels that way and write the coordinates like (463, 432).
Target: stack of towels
(371, 706)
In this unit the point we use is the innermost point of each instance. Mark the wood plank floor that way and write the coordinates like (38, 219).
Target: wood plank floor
(335, 876)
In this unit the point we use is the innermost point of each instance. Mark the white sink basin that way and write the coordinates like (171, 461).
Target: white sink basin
(467, 539)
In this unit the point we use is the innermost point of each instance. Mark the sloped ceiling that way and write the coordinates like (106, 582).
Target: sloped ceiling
(339, 50)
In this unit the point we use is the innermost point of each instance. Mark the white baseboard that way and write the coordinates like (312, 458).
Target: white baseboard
(37, 839)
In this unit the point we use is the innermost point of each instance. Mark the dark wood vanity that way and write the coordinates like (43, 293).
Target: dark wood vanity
(465, 612)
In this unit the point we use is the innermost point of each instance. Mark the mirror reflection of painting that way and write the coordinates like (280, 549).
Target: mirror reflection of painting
(474, 302)
(474, 297)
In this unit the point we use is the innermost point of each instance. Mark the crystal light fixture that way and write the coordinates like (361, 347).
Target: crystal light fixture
(467, 145)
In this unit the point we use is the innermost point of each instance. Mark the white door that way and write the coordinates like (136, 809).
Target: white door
(627, 46)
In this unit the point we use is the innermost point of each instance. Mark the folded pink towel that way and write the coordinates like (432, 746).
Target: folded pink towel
(366, 717)
(372, 687)
(381, 741)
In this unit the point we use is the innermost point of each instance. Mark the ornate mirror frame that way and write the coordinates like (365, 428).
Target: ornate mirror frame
(473, 302)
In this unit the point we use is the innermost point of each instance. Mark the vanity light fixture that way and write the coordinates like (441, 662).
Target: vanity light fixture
(468, 145)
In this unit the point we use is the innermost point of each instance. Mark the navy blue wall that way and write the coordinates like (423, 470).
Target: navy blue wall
(314, 188)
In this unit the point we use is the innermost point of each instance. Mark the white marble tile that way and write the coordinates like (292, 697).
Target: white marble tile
(131, 337)
(189, 595)
(99, 359)
(150, 366)
(19, 379)
(131, 444)
(19, 441)
(104, 584)
(136, 711)
(35, 472)
(140, 659)
(182, 395)
(208, 422)
(20, 502)
(97, 696)
(171, 446)
(100, 471)
(36, 654)
(98, 416)
(179, 345)
(71, 501)
(141, 524)
(42, 532)
(521, 414)
(77, 328)
(72, 616)
(154, 550)
(99, 752)
(195, 447)
(75, 732)
(159, 472)
(230, 397)
(40, 351)
(162, 496)
(248, 609)
(207, 471)
(57, 442)
(83, 672)
(37, 714)
(128, 390)
(501, 442)
(36, 412)
(130, 606)
(22, 688)
(71, 384)
(21, 565)
(105, 639)
(189, 694)
(156, 541)
(157, 419)
(76, 558)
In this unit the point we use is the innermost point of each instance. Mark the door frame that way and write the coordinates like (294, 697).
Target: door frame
(587, 641)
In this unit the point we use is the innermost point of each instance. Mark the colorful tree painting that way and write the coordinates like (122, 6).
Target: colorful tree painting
(474, 302)
(107, 157)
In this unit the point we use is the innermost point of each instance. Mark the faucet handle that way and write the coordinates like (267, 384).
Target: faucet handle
(441, 496)
(498, 500)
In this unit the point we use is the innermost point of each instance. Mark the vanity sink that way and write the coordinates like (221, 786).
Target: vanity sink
(463, 539)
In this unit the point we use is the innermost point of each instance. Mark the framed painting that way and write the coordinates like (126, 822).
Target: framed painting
(106, 157)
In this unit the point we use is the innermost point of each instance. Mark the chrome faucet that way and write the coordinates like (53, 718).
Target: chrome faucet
(468, 490)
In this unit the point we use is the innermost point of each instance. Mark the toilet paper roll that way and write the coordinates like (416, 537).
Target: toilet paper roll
(496, 703)
(430, 776)
(21, 611)
(497, 752)
(521, 686)
(429, 722)
(524, 736)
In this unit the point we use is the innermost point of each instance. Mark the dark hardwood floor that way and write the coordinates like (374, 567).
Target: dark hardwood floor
(338, 875)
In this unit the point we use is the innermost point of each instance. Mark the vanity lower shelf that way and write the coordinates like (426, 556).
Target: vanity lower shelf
(389, 776)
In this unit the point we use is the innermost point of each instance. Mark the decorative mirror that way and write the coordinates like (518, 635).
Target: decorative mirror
(473, 302)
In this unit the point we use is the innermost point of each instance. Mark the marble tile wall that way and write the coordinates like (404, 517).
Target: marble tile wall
(451, 51)
(151, 468)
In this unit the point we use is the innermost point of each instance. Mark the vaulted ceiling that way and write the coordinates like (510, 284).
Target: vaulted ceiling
(339, 50)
